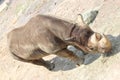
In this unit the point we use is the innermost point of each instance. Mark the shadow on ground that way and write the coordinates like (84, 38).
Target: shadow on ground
(115, 45)
(65, 64)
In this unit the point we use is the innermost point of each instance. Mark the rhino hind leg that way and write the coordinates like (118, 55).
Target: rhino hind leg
(44, 63)
(34, 57)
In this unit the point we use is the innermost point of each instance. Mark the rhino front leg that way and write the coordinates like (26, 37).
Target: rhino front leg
(70, 55)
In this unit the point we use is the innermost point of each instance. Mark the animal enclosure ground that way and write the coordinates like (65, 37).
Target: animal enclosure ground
(97, 68)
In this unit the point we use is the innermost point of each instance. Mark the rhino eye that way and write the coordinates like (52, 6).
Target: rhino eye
(92, 48)
(102, 48)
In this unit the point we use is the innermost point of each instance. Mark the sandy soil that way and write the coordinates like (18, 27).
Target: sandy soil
(18, 12)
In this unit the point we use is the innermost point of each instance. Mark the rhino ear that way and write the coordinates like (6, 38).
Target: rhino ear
(98, 36)
(80, 20)
(70, 39)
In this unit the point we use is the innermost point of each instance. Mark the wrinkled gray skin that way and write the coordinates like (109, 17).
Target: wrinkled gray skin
(42, 36)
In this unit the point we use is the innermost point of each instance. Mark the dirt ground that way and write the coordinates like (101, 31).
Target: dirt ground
(18, 12)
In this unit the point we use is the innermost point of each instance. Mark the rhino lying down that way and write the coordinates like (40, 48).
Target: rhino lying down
(45, 35)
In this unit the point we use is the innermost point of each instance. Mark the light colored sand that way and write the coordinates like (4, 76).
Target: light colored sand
(97, 68)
